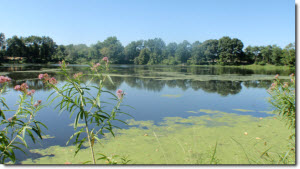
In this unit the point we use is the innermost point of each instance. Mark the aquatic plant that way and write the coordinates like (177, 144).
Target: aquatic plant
(283, 99)
(76, 97)
(21, 123)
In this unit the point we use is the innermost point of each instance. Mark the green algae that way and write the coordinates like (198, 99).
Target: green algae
(243, 110)
(192, 112)
(47, 136)
(189, 140)
(171, 95)
(268, 112)
(78, 125)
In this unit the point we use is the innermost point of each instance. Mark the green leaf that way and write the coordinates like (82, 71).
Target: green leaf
(31, 135)
(22, 139)
(110, 80)
(2, 114)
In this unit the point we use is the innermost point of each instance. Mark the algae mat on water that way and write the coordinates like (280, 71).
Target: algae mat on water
(237, 139)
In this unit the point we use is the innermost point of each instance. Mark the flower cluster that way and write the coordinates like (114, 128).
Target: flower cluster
(31, 92)
(46, 78)
(76, 75)
(120, 94)
(23, 87)
(4, 79)
(105, 59)
(95, 66)
(63, 64)
(276, 84)
(38, 103)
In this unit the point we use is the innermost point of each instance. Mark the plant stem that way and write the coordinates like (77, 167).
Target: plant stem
(90, 143)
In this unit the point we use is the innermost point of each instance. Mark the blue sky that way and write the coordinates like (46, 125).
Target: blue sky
(255, 22)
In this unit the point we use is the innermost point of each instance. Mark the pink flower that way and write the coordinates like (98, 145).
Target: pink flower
(10, 119)
(17, 87)
(120, 93)
(274, 84)
(95, 66)
(53, 81)
(31, 92)
(276, 76)
(105, 59)
(24, 87)
(292, 80)
(46, 77)
(36, 105)
(41, 76)
(4, 79)
(292, 75)
(286, 84)
(39, 101)
(77, 75)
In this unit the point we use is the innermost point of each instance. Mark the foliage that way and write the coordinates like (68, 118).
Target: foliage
(224, 51)
(88, 107)
(283, 99)
(22, 123)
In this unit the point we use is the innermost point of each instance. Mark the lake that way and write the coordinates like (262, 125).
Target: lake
(156, 93)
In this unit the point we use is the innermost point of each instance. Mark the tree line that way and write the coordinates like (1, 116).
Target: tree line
(223, 51)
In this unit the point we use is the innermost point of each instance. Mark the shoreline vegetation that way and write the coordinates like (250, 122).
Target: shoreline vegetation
(251, 66)
(225, 51)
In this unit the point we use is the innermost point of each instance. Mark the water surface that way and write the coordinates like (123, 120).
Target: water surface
(155, 92)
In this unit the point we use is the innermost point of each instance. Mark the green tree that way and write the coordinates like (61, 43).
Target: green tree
(210, 49)
(16, 47)
(156, 47)
(113, 49)
(276, 55)
(2, 41)
(266, 53)
(253, 54)
(132, 51)
(143, 58)
(48, 48)
(289, 55)
(230, 50)
(183, 51)
(2, 46)
(60, 54)
(33, 45)
(196, 53)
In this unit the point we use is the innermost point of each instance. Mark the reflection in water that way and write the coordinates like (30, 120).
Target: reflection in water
(223, 88)
(147, 77)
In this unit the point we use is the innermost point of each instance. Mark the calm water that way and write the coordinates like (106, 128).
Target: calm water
(155, 92)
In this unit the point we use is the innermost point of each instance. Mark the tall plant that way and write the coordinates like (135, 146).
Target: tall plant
(21, 123)
(283, 99)
(77, 97)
